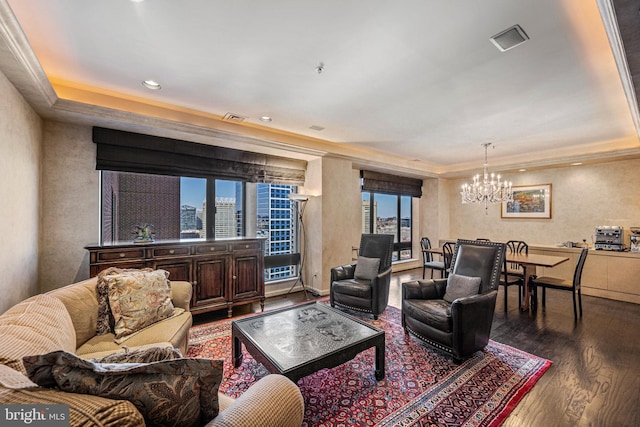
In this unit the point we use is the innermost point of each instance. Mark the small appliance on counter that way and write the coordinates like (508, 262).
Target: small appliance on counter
(610, 238)
(635, 239)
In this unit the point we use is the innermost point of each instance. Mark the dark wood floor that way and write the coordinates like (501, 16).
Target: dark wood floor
(595, 376)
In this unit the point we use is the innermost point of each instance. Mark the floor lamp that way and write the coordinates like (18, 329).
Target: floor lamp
(300, 200)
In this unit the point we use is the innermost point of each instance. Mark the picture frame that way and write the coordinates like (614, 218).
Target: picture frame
(529, 201)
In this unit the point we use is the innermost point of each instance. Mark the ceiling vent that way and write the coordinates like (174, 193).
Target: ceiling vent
(236, 118)
(509, 38)
(316, 128)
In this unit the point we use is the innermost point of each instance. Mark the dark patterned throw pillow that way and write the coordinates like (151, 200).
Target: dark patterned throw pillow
(142, 355)
(173, 392)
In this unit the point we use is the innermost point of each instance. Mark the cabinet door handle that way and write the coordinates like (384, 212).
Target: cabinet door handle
(212, 249)
(122, 255)
(234, 277)
(246, 246)
(171, 251)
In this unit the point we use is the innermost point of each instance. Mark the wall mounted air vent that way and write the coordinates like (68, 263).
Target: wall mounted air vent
(509, 38)
(230, 117)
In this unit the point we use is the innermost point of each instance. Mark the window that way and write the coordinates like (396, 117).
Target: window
(176, 207)
(277, 221)
(389, 214)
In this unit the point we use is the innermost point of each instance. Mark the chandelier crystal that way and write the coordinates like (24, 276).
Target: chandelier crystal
(488, 190)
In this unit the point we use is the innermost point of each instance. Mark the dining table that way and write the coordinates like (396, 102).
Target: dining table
(529, 262)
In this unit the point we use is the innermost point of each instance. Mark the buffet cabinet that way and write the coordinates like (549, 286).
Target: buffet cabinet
(223, 273)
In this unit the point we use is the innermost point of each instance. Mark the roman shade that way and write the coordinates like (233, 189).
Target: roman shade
(378, 182)
(133, 152)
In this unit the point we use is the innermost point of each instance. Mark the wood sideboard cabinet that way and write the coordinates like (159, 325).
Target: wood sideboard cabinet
(223, 273)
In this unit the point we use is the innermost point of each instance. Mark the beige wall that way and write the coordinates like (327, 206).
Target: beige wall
(20, 159)
(341, 215)
(583, 197)
(70, 203)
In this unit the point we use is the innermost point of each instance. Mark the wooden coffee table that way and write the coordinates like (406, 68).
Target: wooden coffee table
(297, 341)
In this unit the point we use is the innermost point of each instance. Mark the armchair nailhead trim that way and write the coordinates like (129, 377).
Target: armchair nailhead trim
(353, 308)
(428, 341)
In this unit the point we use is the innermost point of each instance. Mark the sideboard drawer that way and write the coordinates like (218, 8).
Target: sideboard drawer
(243, 246)
(124, 254)
(170, 251)
(211, 249)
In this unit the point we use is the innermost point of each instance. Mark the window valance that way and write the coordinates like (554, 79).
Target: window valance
(378, 182)
(133, 152)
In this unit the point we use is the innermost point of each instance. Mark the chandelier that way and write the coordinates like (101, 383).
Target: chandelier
(489, 190)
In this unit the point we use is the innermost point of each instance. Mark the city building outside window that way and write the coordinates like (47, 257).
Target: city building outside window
(277, 222)
(177, 208)
(389, 214)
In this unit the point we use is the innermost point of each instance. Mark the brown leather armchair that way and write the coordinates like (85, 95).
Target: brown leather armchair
(353, 289)
(459, 325)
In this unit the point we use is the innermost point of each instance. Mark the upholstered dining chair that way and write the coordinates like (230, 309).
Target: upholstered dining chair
(572, 286)
(364, 285)
(513, 273)
(427, 259)
(456, 314)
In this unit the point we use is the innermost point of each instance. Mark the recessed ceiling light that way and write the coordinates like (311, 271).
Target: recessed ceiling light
(265, 119)
(151, 84)
(576, 164)
(522, 170)
(136, 1)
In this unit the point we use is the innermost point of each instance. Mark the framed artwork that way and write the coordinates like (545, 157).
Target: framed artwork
(531, 201)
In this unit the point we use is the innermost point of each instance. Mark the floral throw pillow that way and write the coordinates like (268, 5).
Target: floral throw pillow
(106, 322)
(138, 300)
(173, 392)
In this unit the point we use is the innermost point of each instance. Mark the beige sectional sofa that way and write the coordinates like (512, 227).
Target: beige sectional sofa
(65, 319)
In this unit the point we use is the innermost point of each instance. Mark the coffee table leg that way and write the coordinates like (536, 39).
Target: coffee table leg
(236, 351)
(380, 361)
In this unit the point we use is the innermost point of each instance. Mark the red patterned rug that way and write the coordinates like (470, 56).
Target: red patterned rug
(422, 386)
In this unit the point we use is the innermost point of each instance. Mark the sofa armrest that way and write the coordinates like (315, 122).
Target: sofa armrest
(273, 401)
(181, 294)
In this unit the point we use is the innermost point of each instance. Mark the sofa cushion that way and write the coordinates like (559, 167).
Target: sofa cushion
(84, 410)
(174, 330)
(82, 305)
(37, 325)
(459, 286)
(173, 392)
(138, 299)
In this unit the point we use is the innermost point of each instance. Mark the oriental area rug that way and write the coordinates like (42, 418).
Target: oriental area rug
(422, 386)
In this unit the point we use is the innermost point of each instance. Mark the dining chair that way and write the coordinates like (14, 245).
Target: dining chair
(572, 286)
(427, 259)
(517, 247)
(513, 273)
(447, 256)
